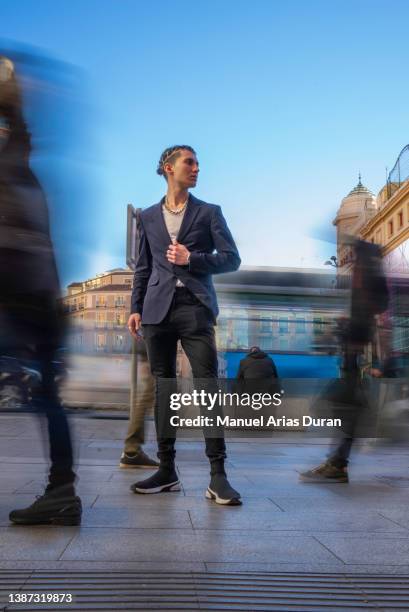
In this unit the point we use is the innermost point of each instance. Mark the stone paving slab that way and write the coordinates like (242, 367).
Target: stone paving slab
(301, 521)
(186, 546)
(400, 516)
(38, 543)
(390, 550)
(177, 501)
(131, 518)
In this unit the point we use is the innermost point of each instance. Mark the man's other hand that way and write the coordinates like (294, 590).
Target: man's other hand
(134, 325)
(178, 254)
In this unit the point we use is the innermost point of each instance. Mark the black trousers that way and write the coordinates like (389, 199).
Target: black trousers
(31, 327)
(189, 321)
(348, 400)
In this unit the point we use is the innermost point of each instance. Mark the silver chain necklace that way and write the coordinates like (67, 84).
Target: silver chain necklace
(175, 212)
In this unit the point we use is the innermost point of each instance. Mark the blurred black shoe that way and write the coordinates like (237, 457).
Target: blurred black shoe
(220, 491)
(161, 482)
(58, 506)
(325, 472)
(137, 460)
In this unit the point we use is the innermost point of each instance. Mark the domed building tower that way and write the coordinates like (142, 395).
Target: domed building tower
(355, 210)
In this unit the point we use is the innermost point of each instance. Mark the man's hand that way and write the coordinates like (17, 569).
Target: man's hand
(134, 325)
(177, 254)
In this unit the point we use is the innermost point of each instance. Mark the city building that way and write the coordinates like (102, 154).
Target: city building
(383, 220)
(97, 311)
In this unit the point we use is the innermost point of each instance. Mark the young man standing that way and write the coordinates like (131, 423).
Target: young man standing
(183, 241)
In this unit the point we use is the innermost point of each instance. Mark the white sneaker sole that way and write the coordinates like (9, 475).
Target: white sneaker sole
(168, 488)
(234, 501)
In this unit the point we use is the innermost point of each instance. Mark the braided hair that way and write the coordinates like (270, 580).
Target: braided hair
(169, 156)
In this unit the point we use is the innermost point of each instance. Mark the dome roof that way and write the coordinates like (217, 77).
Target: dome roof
(360, 198)
(359, 188)
(358, 204)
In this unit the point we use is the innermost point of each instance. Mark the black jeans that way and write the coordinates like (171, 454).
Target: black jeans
(189, 321)
(348, 400)
(48, 403)
(31, 326)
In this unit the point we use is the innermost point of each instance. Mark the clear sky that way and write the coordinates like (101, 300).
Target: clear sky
(285, 102)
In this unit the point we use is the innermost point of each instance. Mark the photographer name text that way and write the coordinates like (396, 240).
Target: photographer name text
(260, 421)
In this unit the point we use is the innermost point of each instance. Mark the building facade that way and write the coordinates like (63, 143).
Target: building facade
(97, 311)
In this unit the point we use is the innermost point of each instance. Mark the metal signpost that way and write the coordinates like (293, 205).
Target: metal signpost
(132, 245)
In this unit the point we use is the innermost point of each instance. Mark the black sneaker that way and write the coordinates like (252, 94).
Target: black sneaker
(58, 506)
(220, 491)
(161, 482)
(137, 460)
(326, 473)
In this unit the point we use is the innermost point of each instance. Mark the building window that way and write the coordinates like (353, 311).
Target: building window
(283, 326)
(265, 326)
(318, 325)
(119, 341)
(378, 237)
(101, 302)
(119, 318)
(390, 228)
(101, 342)
(119, 301)
(240, 333)
(100, 319)
(400, 219)
(265, 343)
(300, 326)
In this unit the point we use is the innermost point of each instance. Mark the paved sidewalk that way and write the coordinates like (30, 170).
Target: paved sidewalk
(283, 525)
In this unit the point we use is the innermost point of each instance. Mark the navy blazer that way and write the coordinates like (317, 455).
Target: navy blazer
(205, 234)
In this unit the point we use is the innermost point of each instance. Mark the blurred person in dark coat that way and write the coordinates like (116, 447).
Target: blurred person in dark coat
(347, 395)
(29, 287)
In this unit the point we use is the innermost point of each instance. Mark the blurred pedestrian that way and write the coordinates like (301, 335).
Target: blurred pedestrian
(29, 287)
(348, 395)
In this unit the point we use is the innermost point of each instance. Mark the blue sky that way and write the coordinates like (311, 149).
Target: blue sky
(284, 102)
